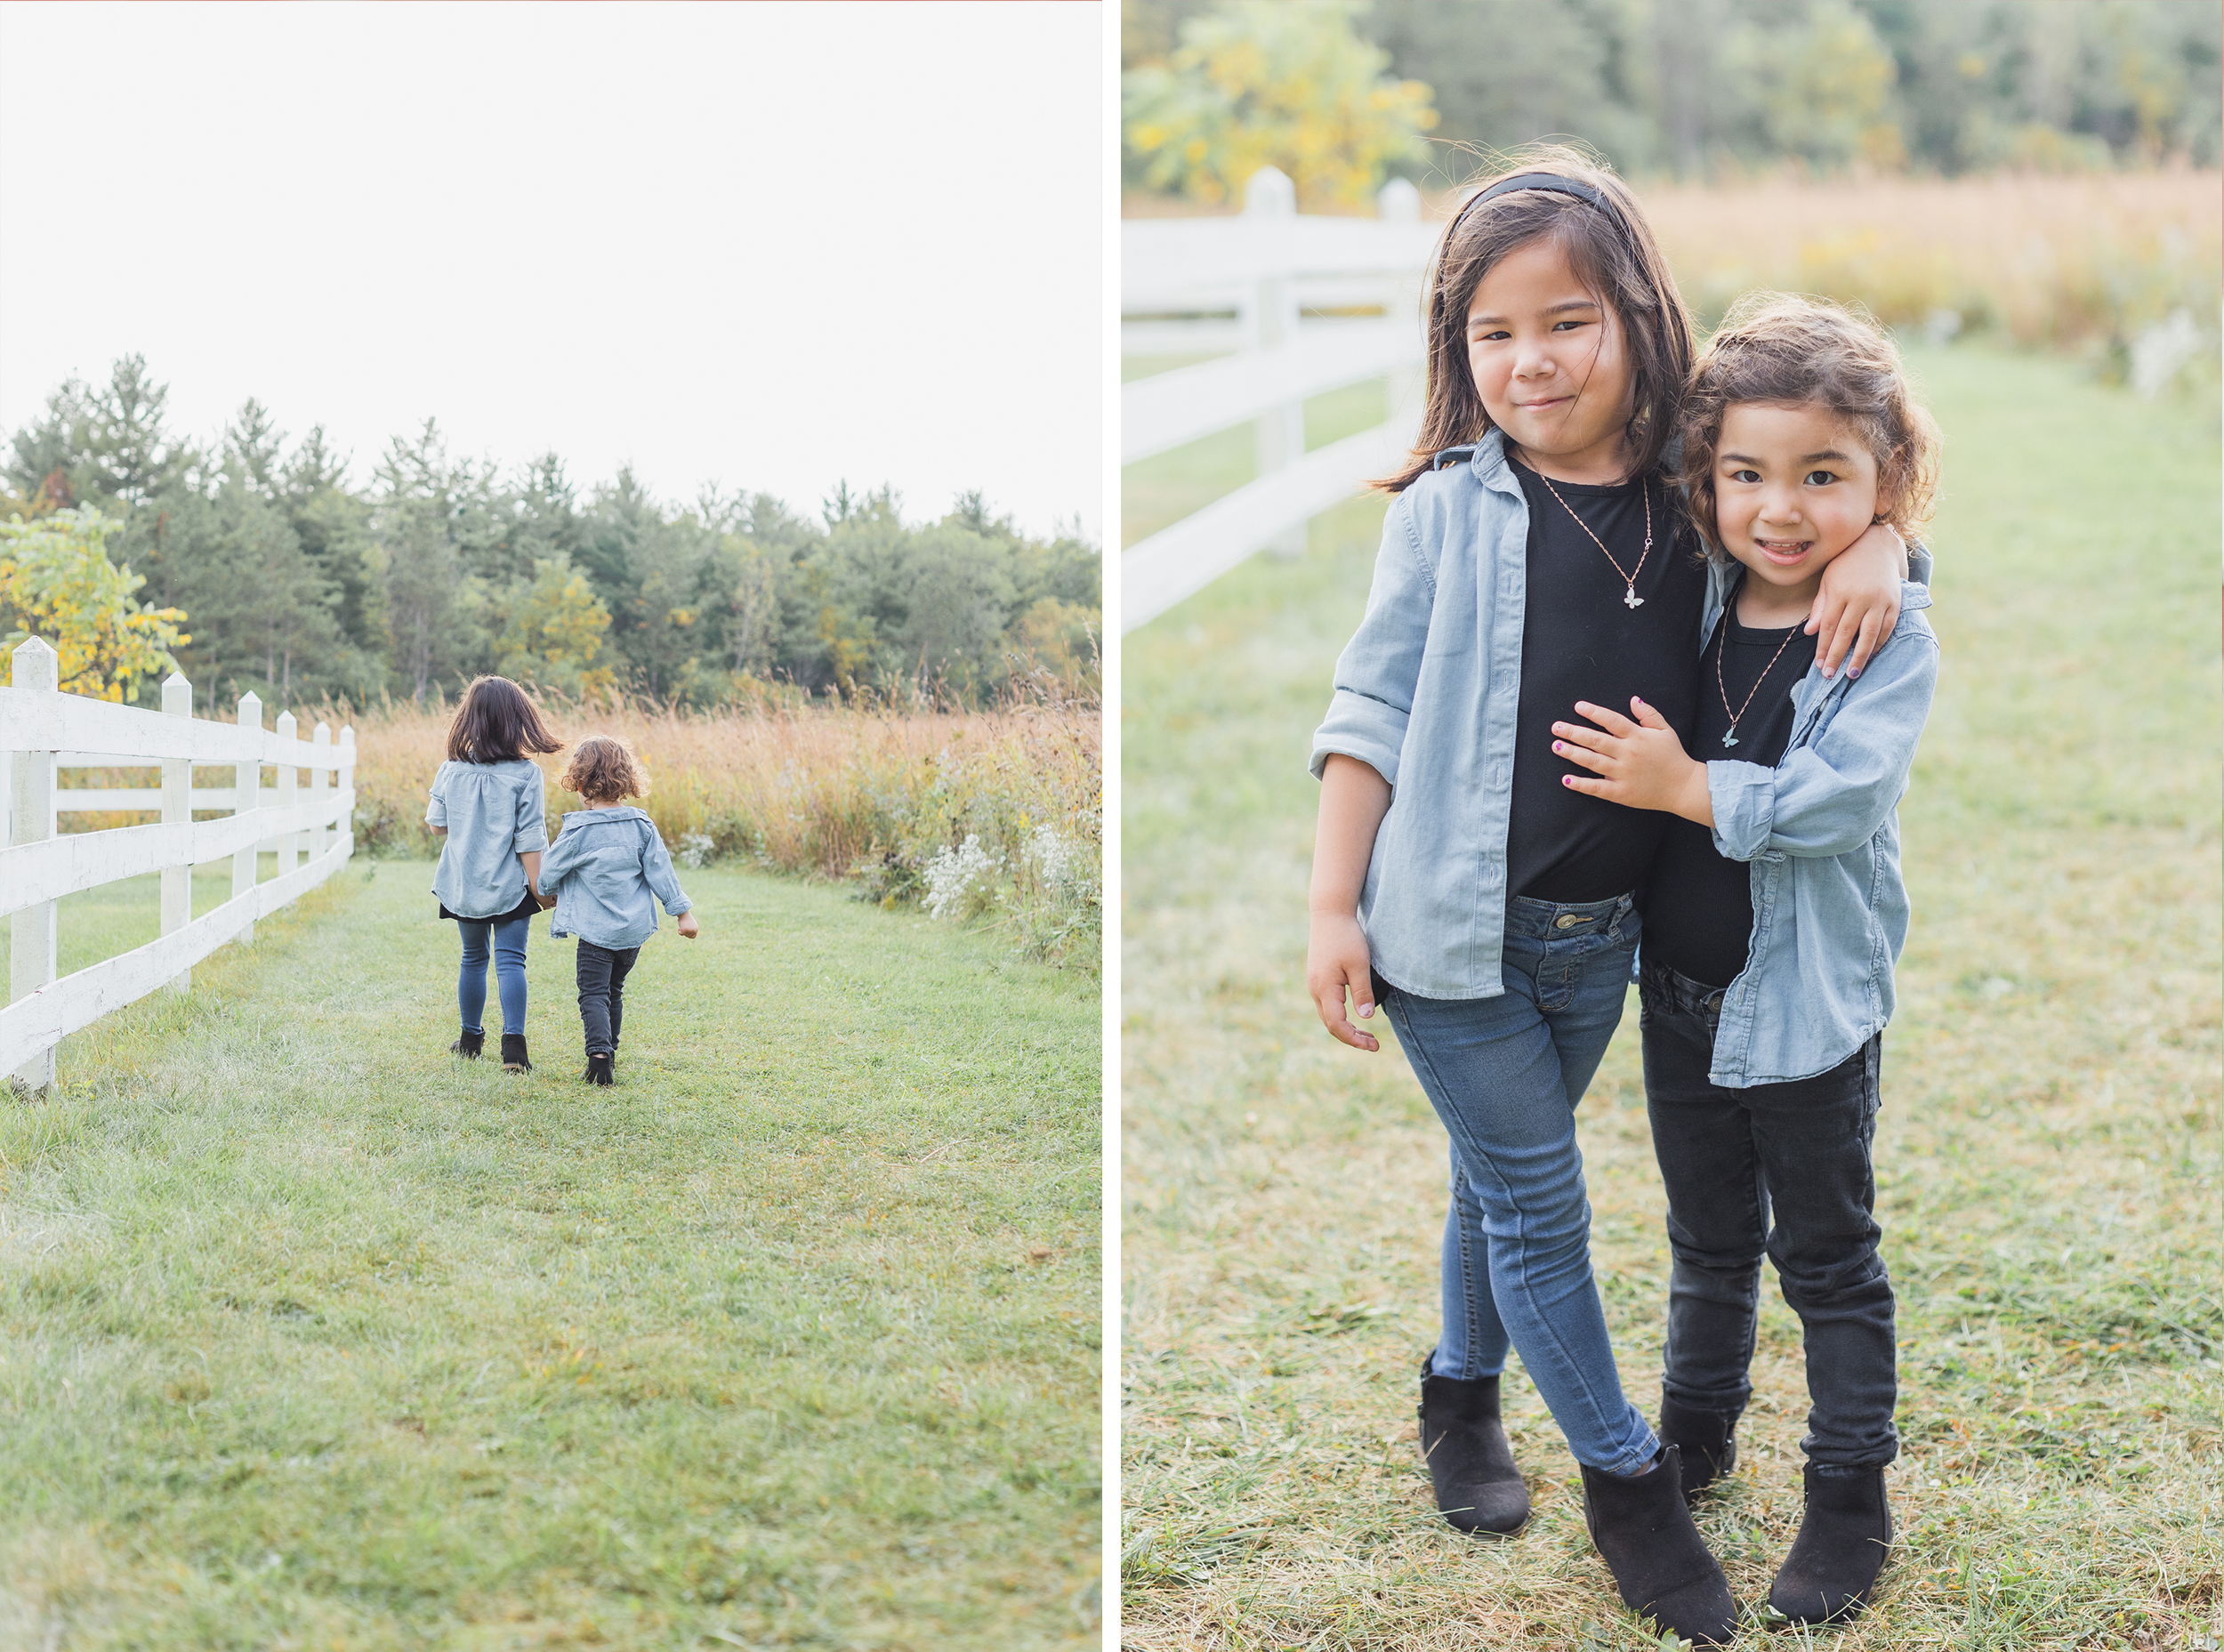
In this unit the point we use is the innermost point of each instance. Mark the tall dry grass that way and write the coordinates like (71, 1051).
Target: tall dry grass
(884, 796)
(2083, 260)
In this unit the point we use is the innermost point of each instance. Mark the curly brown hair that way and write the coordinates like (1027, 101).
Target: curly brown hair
(603, 768)
(1612, 252)
(1792, 350)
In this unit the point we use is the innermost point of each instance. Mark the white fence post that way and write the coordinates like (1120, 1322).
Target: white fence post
(346, 822)
(289, 843)
(31, 818)
(1270, 322)
(177, 804)
(321, 793)
(1398, 202)
(248, 778)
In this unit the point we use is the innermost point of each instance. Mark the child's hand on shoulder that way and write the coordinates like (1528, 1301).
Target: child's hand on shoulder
(1641, 764)
(689, 927)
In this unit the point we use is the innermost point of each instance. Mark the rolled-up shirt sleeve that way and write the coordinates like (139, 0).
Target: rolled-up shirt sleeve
(1830, 797)
(436, 805)
(532, 831)
(663, 881)
(1375, 673)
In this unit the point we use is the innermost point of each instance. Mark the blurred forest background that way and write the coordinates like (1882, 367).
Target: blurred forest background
(1337, 91)
(266, 565)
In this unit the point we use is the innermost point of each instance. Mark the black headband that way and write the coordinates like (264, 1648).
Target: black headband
(1549, 180)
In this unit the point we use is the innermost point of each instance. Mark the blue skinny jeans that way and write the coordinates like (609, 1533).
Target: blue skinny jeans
(1504, 1075)
(470, 981)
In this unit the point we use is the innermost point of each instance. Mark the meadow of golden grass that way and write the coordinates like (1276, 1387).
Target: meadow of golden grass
(871, 793)
(2080, 260)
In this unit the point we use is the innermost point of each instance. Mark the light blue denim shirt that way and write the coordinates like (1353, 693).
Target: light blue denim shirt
(603, 868)
(492, 813)
(1426, 693)
(1821, 830)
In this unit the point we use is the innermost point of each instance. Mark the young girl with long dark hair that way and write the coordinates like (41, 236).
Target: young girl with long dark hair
(488, 803)
(1532, 559)
(1778, 913)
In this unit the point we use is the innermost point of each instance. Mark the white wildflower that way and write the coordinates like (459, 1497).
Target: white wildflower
(952, 872)
(695, 850)
(1057, 858)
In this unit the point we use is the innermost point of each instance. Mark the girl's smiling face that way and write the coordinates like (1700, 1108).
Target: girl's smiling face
(1793, 487)
(1550, 365)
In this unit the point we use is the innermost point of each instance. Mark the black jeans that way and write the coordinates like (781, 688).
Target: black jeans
(1781, 1170)
(602, 994)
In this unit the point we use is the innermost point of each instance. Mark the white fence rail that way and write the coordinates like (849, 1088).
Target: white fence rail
(1245, 283)
(43, 731)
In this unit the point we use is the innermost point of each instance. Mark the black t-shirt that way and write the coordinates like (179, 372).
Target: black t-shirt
(1698, 913)
(1580, 641)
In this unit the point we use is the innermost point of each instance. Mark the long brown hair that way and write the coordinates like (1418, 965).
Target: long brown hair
(497, 723)
(1612, 251)
(1789, 351)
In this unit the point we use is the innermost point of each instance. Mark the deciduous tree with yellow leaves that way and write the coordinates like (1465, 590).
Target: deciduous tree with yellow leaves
(56, 581)
(1274, 83)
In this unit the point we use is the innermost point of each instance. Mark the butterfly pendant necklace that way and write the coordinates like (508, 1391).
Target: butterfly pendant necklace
(1721, 646)
(1630, 599)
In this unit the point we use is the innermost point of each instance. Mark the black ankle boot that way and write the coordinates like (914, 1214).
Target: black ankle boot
(1643, 1530)
(513, 1058)
(468, 1044)
(1469, 1461)
(1844, 1539)
(1707, 1441)
(599, 1070)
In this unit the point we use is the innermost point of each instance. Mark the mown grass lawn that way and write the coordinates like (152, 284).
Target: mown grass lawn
(312, 1336)
(2048, 1154)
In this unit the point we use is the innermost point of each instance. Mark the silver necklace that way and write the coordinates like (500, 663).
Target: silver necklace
(1630, 599)
(1721, 646)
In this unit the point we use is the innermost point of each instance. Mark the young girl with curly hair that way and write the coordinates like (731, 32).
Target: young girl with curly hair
(600, 874)
(1777, 913)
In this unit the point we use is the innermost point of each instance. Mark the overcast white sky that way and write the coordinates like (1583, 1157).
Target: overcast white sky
(772, 245)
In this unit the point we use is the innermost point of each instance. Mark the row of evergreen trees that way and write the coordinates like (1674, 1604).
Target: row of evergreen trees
(299, 584)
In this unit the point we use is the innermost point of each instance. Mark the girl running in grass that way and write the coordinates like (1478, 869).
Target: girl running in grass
(487, 802)
(1531, 559)
(606, 863)
(1778, 912)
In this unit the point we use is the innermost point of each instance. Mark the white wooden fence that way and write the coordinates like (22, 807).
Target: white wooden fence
(1188, 285)
(43, 731)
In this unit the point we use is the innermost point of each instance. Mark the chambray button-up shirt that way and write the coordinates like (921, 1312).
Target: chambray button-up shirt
(1821, 830)
(603, 868)
(1426, 694)
(493, 813)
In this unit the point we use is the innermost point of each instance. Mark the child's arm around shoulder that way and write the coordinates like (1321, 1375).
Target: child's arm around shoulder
(663, 884)
(1832, 794)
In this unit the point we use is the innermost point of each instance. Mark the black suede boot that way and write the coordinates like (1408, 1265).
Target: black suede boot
(1844, 1539)
(1707, 1441)
(1478, 1489)
(1643, 1530)
(468, 1046)
(599, 1070)
(513, 1058)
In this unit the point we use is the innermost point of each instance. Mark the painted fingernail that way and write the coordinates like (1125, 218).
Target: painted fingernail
(1366, 1009)
(1557, 746)
(1856, 671)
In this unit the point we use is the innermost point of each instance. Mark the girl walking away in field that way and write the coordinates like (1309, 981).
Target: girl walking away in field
(605, 864)
(486, 801)
(1778, 914)
(1530, 561)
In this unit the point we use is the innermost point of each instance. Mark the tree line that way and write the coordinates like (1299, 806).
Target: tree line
(1693, 88)
(290, 580)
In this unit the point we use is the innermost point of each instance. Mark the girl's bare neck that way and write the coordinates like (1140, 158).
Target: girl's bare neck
(604, 803)
(1594, 467)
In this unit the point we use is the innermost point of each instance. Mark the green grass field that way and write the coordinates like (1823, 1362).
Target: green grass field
(2048, 1154)
(313, 1336)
